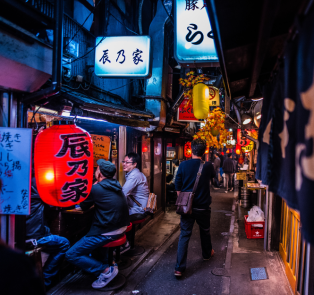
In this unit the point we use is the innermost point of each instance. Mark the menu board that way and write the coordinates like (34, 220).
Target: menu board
(15, 170)
(101, 147)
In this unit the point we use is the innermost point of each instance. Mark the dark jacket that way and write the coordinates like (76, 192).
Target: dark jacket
(15, 264)
(35, 222)
(186, 177)
(221, 160)
(228, 166)
(111, 209)
(216, 164)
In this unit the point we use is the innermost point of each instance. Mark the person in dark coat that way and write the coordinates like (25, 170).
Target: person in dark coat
(38, 235)
(201, 210)
(228, 168)
(110, 221)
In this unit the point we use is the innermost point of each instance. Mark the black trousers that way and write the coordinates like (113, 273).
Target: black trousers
(202, 218)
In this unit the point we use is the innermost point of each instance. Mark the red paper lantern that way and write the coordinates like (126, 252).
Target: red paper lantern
(63, 165)
(222, 153)
(238, 149)
(188, 150)
(242, 141)
(144, 149)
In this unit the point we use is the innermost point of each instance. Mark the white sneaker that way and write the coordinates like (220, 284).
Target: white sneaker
(105, 278)
(125, 247)
(226, 191)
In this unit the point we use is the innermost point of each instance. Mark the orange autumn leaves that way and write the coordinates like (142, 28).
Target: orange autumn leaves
(188, 85)
(215, 123)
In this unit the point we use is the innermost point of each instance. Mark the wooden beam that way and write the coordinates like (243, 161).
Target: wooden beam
(89, 6)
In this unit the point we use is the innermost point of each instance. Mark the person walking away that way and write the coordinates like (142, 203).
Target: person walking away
(216, 168)
(228, 168)
(201, 210)
(38, 235)
(110, 221)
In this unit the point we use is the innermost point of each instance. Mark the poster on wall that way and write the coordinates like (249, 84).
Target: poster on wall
(101, 147)
(194, 40)
(123, 57)
(15, 170)
(186, 114)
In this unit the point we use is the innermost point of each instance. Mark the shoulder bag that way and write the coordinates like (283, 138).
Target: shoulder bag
(185, 199)
(151, 205)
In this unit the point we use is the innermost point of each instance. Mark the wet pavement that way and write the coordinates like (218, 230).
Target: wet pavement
(198, 278)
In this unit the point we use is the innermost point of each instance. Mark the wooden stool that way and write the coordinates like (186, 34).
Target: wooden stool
(120, 279)
(138, 250)
(124, 261)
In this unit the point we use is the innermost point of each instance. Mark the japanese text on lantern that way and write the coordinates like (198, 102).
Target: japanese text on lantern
(15, 170)
(78, 147)
(101, 147)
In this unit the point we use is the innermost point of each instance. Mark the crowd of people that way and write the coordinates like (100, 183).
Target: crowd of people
(115, 207)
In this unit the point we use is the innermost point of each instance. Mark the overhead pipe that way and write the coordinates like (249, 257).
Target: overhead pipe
(56, 59)
(212, 14)
(178, 101)
(238, 114)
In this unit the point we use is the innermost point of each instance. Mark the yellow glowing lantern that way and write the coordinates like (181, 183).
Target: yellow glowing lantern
(213, 96)
(200, 101)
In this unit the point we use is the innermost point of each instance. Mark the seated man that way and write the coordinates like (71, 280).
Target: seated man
(135, 188)
(38, 234)
(111, 219)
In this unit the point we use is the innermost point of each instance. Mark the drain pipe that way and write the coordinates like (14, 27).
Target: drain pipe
(56, 60)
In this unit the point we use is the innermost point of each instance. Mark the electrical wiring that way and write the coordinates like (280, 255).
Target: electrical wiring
(123, 24)
(121, 86)
(81, 26)
(171, 18)
(83, 56)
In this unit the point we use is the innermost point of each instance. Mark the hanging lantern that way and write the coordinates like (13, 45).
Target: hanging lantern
(188, 150)
(243, 141)
(213, 96)
(144, 149)
(238, 149)
(222, 153)
(214, 131)
(63, 165)
(201, 101)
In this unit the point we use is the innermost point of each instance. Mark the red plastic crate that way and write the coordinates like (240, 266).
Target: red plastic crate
(253, 232)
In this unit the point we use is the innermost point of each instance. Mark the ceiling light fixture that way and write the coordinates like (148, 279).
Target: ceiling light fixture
(246, 119)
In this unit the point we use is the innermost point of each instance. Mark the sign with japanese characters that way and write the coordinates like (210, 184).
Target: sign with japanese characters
(185, 114)
(194, 41)
(63, 161)
(101, 147)
(15, 170)
(125, 56)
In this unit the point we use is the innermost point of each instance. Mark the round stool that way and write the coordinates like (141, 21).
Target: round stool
(124, 261)
(138, 250)
(120, 279)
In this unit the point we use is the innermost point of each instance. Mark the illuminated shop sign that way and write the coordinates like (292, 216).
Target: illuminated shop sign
(126, 56)
(194, 41)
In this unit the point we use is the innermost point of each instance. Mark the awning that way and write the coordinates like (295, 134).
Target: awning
(111, 108)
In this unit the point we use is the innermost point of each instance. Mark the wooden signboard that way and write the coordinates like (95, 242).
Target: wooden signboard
(101, 145)
(241, 176)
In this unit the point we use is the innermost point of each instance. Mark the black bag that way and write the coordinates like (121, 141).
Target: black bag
(185, 199)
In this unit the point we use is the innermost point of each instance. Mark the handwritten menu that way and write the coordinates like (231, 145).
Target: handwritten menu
(15, 170)
(101, 145)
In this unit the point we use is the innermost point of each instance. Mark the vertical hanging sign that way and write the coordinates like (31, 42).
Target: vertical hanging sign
(15, 170)
(194, 41)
